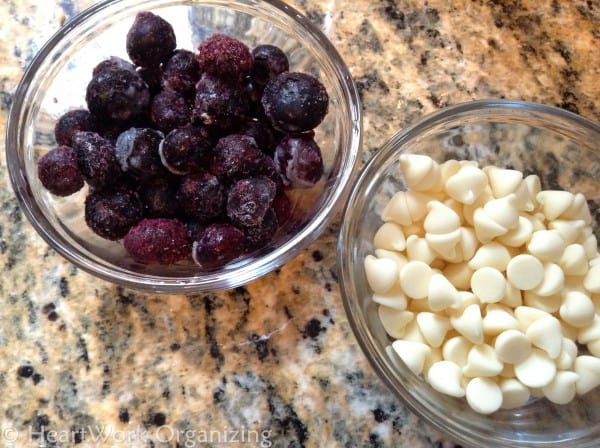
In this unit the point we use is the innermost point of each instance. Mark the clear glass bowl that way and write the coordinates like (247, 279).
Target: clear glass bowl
(56, 80)
(564, 150)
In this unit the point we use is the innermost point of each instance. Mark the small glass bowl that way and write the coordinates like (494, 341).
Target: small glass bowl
(56, 81)
(563, 149)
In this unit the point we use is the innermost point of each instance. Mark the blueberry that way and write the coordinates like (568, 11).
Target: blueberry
(113, 63)
(295, 102)
(181, 72)
(218, 245)
(185, 149)
(59, 173)
(249, 199)
(219, 102)
(111, 213)
(298, 160)
(259, 235)
(224, 57)
(157, 195)
(201, 196)
(153, 77)
(163, 241)
(117, 94)
(264, 135)
(170, 110)
(137, 152)
(96, 158)
(269, 61)
(71, 122)
(150, 40)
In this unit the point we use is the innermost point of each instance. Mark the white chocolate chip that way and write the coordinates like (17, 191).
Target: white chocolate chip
(574, 260)
(445, 377)
(547, 245)
(590, 245)
(459, 274)
(469, 324)
(525, 271)
(416, 202)
(526, 315)
(486, 228)
(433, 327)
(456, 349)
(503, 181)
(412, 332)
(396, 256)
(396, 210)
(537, 370)
(394, 320)
(567, 355)
(444, 245)
(553, 281)
(554, 202)
(578, 210)
(512, 296)
(381, 273)
(545, 333)
(504, 211)
(390, 236)
(482, 361)
(588, 369)
(514, 393)
(519, 235)
(549, 304)
(442, 294)
(488, 284)
(421, 172)
(562, 388)
(417, 249)
(570, 231)
(412, 353)
(394, 298)
(467, 184)
(498, 318)
(590, 332)
(577, 309)
(449, 168)
(493, 255)
(468, 243)
(414, 279)
(440, 219)
(591, 282)
(594, 347)
(512, 346)
(534, 184)
(484, 395)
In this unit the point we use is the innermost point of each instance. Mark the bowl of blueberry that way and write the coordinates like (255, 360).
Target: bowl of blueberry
(183, 146)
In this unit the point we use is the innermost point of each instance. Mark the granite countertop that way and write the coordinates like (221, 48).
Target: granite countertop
(274, 362)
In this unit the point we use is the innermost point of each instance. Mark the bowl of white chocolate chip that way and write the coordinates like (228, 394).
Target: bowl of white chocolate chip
(469, 268)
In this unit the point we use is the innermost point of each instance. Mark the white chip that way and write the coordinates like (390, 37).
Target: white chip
(525, 271)
(483, 395)
(488, 284)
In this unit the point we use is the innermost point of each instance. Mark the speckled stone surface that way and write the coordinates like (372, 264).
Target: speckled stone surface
(273, 363)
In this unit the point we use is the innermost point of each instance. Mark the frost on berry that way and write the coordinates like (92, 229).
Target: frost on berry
(150, 40)
(160, 240)
(96, 158)
(225, 57)
(219, 244)
(58, 171)
(137, 152)
(249, 199)
(298, 160)
(111, 213)
(71, 122)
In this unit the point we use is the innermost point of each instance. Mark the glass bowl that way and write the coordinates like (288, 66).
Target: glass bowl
(563, 149)
(56, 80)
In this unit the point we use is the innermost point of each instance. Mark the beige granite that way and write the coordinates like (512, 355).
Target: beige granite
(273, 363)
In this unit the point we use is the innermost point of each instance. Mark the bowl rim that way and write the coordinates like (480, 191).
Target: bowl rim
(350, 300)
(203, 281)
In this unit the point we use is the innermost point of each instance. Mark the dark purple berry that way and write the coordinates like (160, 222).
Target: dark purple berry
(269, 61)
(283, 207)
(298, 160)
(224, 57)
(185, 150)
(201, 196)
(111, 213)
(96, 159)
(150, 40)
(117, 94)
(295, 102)
(112, 63)
(59, 173)
(249, 199)
(195, 229)
(170, 110)
(137, 152)
(181, 72)
(259, 235)
(157, 195)
(71, 122)
(237, 156)
(218, 245)
(152, 76)
(263, 135)
(163, 241)
(218, 102)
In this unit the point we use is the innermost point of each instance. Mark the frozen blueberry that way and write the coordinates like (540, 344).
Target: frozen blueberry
(298, 160)
(236, 156)
(224, 57)
(111, 213)
(150, 40)
(219, 102)
(269, 61)
(249, 199)
(160, 240)
(137, 152)
(259, 235)
(71, 122)
(195, 229)
(157, 195)
(112, 63)
(170, 110)
(263, 135)
(181, 72)
(117, 94)
(218, 245)
(201, 196)
(295, 102)
(96, 158)
(59, 173)
(152, 76)
(185, 149)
